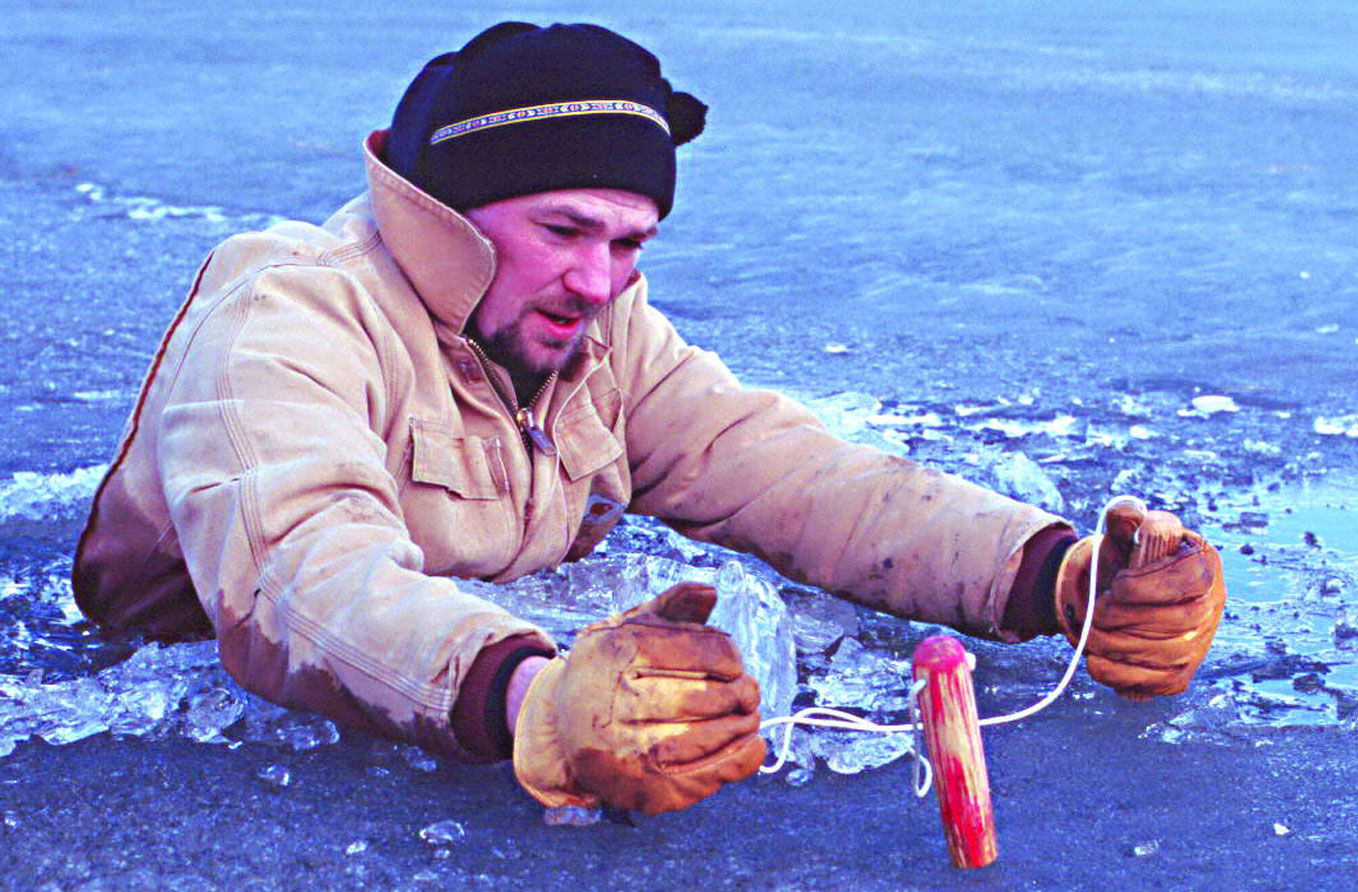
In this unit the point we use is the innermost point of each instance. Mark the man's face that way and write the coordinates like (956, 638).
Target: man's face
(561, 259)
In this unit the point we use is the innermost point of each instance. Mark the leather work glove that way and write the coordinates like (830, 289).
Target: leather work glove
(650, 710)
(1160, 598)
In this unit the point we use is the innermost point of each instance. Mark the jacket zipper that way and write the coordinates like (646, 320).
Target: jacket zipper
(524, 416)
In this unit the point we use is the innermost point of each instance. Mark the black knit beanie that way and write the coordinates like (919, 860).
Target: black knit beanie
(523, 109)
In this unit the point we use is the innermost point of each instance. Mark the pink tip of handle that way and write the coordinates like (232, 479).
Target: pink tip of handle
(939, 653)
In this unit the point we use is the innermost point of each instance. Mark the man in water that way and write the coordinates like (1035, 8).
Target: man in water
(459, 376)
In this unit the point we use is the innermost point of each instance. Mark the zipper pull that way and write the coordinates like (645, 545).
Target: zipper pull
(533, 431)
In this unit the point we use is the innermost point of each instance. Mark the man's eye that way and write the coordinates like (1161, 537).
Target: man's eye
(562, 231)
(630, 244)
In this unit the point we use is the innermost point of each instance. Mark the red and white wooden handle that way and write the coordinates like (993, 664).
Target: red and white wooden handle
(947, 709)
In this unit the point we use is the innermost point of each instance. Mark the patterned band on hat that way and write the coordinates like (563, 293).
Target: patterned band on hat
(552, 110)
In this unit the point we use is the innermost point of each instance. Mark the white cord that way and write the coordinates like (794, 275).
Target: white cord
(824, 717)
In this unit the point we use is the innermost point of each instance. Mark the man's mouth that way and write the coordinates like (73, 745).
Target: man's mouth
(560, 325)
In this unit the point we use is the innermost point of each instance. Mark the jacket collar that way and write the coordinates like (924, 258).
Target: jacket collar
(444, 256)
(447, 260)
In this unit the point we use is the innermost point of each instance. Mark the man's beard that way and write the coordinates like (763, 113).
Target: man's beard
(506, 347)
(509, 349)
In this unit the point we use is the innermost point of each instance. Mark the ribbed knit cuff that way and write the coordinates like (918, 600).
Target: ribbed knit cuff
(1031, 609)
(478, 716)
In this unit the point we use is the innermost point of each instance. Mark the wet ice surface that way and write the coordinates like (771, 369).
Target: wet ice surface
(1287, 652)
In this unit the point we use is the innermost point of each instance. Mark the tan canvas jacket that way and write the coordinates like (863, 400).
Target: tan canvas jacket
(317, 454)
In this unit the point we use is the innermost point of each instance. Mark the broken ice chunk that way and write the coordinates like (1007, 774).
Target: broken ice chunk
(36, 496)
(755, 617)
(1019, 476)
(212, 713)
(1133, 406)
(865, 750)
(1015, 428)
(307, 732)
(903, 416)
(140, 710)
(819, 620)
(1339, 425)
(1126, 480)
(862, 679)
(69, 711)
(1210, 404)
(444, 833)
(571, 816)
(418, 759)
(275, 775)
(847, 413)
(1146, 849)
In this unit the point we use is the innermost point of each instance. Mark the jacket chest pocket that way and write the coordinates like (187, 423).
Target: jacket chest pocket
(589, 441)
(457, 505)
(585, 441)
(468, 467)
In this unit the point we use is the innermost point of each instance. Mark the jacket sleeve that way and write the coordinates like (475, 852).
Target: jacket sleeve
(280, 490)
(754, 471)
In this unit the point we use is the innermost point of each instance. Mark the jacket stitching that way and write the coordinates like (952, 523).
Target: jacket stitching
(236, 435)
(423, 695)
(338, 257)
(385, 341)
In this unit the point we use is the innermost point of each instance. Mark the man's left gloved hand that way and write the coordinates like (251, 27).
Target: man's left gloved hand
(1160, 599)
(650, 710)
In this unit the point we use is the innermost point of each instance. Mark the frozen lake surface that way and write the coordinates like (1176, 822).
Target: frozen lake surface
(1061, 257)
(1064, 255)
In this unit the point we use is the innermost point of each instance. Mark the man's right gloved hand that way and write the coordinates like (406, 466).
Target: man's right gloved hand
(1160, 597)
(650, 710)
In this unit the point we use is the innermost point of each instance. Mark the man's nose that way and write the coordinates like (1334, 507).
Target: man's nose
(590, 275)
